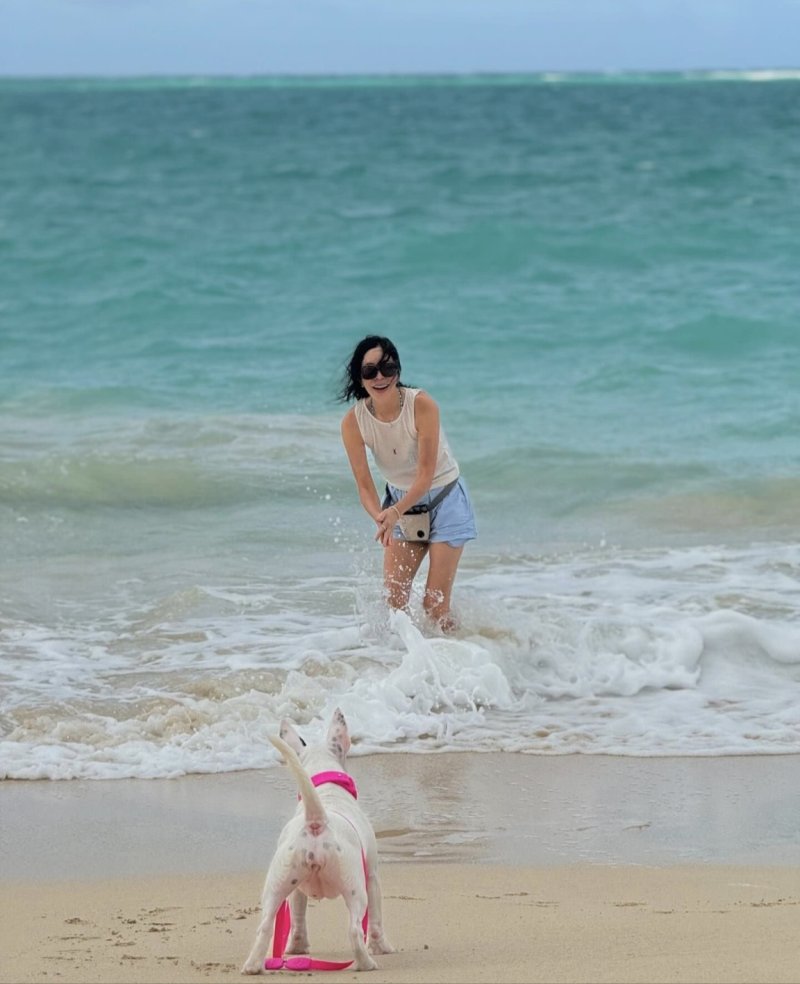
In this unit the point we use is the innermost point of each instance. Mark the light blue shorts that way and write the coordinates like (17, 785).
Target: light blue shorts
(452, 521)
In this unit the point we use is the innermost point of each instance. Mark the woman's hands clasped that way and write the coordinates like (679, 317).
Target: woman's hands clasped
(386, 520)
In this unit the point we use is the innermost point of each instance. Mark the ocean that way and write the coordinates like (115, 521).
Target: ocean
(597, 280)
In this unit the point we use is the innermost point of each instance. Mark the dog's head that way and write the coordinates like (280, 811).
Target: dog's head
(337, 742)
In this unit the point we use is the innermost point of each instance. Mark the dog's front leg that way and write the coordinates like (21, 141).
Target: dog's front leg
(377, 938)
(298, 941)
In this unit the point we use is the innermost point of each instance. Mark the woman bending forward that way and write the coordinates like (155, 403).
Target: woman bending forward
(400, 426)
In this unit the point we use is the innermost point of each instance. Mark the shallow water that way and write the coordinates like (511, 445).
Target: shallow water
(597, 282)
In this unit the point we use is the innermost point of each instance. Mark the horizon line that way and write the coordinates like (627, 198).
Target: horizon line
(785, 71)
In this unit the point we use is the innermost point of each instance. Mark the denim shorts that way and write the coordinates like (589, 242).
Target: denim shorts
(452, 521)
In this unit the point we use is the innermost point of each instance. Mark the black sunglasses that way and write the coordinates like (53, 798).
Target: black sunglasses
(387, 368)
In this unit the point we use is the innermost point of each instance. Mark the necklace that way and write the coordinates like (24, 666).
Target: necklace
(371, 407)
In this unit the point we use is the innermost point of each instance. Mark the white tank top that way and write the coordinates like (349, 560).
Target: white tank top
(395, 445)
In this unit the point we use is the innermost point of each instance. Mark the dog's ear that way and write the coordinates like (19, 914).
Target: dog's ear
(291, 737)
(339, 736)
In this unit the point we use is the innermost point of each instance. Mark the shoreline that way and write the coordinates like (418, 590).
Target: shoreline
(494, 867)
(497, 808)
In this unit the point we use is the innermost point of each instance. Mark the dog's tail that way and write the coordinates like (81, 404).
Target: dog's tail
(316, 817)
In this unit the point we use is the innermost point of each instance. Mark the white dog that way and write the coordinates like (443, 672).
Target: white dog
(323, 850)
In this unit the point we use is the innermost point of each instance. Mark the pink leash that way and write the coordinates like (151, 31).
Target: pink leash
(283, 917)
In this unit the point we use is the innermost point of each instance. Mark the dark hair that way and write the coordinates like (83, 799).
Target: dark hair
(352, 387)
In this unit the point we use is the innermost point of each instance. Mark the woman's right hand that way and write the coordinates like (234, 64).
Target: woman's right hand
(386, 520)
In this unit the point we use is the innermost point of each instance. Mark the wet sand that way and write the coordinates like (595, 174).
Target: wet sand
(495, 867)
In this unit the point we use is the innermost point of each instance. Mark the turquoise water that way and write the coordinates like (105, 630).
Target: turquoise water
(595, 278)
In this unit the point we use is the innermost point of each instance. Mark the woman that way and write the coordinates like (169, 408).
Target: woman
(400, 426)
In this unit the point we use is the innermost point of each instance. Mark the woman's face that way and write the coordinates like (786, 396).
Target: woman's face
(385, 378)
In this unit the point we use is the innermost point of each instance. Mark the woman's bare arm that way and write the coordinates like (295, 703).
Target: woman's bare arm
(357, 456)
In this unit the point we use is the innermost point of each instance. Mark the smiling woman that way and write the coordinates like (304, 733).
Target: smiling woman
(401, 427)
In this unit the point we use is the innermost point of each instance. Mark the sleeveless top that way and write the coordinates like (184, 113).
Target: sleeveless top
(394, 445)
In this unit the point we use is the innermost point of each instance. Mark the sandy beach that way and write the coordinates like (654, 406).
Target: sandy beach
(495, 868)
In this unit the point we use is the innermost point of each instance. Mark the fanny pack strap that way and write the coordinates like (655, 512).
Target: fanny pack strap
(387, 501)
(445, 491)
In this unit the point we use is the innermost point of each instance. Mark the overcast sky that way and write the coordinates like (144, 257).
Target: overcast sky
(255, 37)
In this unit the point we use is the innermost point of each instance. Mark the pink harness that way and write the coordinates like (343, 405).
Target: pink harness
(283, 917)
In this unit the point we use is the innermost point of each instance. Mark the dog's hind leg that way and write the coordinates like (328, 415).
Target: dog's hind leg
(258, 954)
(356, 904)
(298, 941)
(377, 938)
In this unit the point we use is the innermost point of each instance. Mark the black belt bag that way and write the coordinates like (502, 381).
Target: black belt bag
(415, 523)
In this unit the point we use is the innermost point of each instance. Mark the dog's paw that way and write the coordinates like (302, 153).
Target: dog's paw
(380, 944)
(366, 963)
(251, 967)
